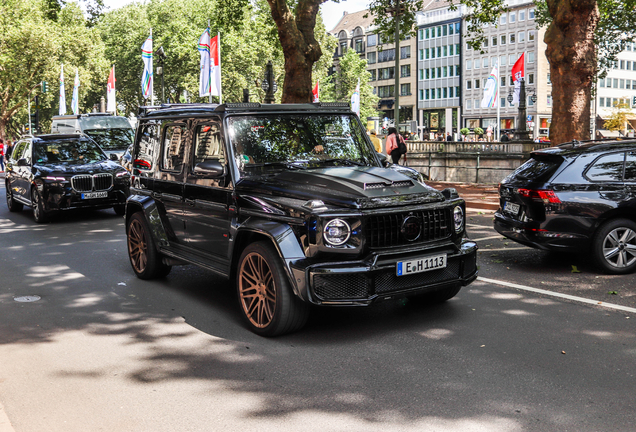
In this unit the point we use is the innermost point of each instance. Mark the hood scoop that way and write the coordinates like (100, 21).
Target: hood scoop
(395, 184)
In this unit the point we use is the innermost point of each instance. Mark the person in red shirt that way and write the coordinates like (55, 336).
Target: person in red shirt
(2, 154)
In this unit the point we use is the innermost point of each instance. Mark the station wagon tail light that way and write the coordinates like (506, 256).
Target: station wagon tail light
(547, 196)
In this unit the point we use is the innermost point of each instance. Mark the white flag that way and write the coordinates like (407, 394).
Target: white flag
(62, 110)
(75, 100)
(146, 77)
(491, 89)
(355, 100)
(215, 66)
(204, 75)
(111, 105)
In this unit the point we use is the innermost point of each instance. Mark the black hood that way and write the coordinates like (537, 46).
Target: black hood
(66, 168)
(350, 187)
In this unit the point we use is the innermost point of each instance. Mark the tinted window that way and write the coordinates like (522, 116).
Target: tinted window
(19, 149)
(630, 167)
(208, 144)
(607, 168)
(537, 169)
(148, 146)
(70, 151)
(173, 148)
(112, 139)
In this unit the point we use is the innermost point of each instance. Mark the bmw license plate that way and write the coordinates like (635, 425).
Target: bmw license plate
(90, 195)
(511, 208)
(420, 265)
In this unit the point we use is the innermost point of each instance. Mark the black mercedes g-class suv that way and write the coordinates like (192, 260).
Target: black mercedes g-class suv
(293, 204)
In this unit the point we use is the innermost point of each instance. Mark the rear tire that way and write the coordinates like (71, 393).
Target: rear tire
(267, 302)
(614, 246)
(39, 214)
(12, 204)
(144, 257)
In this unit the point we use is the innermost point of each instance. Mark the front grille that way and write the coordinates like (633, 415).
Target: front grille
(388, 281)
(385, 230)
(337, 286)
(397, 184)
(470, 266)
(88, 183)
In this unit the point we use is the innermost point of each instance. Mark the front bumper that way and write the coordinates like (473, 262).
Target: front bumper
(536, 236)
(58, 199)
(360, 283)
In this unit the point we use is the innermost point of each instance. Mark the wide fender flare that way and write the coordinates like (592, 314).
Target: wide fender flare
(148, 207)
(286, 243)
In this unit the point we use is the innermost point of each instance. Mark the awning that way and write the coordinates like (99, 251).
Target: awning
(609, 134)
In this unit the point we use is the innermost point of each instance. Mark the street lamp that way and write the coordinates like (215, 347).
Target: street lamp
(510, 96)
(162, 56)
(533, 98)
(269, 85)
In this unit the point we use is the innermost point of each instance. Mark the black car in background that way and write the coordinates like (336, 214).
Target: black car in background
(292, 204)
(575, 197)
(52, 173)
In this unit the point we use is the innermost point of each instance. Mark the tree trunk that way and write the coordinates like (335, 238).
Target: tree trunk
(573, 64)
(300, 47)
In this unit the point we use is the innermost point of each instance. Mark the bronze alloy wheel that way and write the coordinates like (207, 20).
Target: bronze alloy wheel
(145, 259)
(257, 291)
(137, 246)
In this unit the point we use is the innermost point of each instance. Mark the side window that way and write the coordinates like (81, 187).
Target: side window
(148, 149)
(630, 167)
(208, 143)
(18, 151)
(607, 168)
(173, 148)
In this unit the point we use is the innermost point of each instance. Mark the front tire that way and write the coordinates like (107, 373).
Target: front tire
(269, 306)
(614, 246)
(12, 204)
(37, 205)
(144, 257)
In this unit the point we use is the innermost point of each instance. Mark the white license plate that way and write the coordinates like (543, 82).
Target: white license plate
(420, 265)
(90, 195)
(511, 208)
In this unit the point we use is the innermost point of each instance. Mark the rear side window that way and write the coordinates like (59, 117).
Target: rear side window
(537, 169)
(148, 149)
(173, 148)
(607, 168)
(208, 144)
(630, 167)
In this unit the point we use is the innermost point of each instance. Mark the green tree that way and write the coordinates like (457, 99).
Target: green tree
(339, 86)
(618, 120)
(32, 47)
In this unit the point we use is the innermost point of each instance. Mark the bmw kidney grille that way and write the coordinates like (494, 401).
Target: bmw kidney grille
(89, 183)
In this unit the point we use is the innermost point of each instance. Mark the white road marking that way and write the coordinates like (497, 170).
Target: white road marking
(5, 424)
(558, 295)
(491, 237)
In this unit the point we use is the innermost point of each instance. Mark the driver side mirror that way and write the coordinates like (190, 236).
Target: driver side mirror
(384, 160)
(210, 169)
(113, 157)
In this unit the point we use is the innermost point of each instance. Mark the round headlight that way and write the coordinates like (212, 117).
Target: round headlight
(336, 232)
(458, 217)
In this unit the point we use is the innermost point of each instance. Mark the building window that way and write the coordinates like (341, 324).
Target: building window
(445, 95)
(372, 40)
(439, 72)
(468, 47)
(421, 35)
(510, 80)
(343, 48)
(531, 14)
(622, 84)
(457, 91)
(428, 74)
(450, 50)
(456, 28)
(439, 51)
(458, 70)
(469, 104)
(422, 54)
(405, 71)
(373, 75)
(445, 71)
(359, 46)
(494, 41)
(503, 81)
(513, 17)
(432, 93)
(421, 95)
(445, 50)
(512, 39)
(485, 60)
(531, 35)
(469, 64)
(428, 94)
(522, 37)
(531, 78)
(477, 84)
(531, 57)
(386, 55)
(371, 57)
(405, 52)
(502, 102)
(456, 49)
(450, 92)
(386, 91)
(451, 28)
(444, 30)
(628, 84)
(386, 73)
(433, 73)
(469, 85)
(450, 71)
(485, 43)
(439, 31)
(428, 36)
(549, 100)
(512, 59)
(502, 60)
(503, 39)
(530, 103)
(623, 64)
(405, 89)
(503, 18)
(477, 63)
(601, 102)
(522, 15)
(432, 53)
(549, 80)
(601, 83)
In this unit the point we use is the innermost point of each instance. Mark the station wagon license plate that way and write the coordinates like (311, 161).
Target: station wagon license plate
(90, 195)
(511, 208)
(420, 265)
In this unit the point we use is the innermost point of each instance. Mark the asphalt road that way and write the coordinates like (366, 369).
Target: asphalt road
(104, 351)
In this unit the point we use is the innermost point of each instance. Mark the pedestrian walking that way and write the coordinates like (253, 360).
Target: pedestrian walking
(1, 155)
(375, 140)
(395, 145)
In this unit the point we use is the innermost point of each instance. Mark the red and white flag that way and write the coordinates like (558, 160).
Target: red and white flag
(316, 92)
(518, 74)
(111, 106)
(215, 67)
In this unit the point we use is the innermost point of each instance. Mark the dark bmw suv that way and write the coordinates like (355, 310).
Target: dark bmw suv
(293, 204)
(53, 173)
(575, 197)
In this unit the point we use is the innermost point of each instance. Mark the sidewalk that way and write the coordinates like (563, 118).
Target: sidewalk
(477, 196)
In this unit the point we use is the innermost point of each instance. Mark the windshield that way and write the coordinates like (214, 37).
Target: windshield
(268, 142)
(70, 151)
(112, 139)
(104, 122)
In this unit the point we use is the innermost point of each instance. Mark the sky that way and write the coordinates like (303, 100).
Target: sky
(331, 12)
